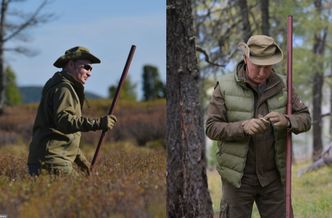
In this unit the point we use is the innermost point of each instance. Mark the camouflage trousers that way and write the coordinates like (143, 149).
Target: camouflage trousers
(238, 202)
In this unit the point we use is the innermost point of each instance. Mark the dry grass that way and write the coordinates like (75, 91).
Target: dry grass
(128, 182)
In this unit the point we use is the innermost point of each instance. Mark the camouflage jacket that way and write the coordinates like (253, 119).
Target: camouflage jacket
(59, 123)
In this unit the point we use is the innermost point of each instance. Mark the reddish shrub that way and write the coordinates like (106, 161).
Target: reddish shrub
(137, 121)
(141, 122)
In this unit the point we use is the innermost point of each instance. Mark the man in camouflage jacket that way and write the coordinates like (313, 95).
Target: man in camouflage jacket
(59, 121)
(246, 116)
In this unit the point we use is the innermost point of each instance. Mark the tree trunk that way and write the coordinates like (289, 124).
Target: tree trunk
(318, 79)
(187, 191)
(316, 115)
(265, 17)
(4, 5)
(246, 28)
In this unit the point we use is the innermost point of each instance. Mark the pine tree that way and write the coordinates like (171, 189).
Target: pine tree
(153, 87)
(13, 96)
(127, 91)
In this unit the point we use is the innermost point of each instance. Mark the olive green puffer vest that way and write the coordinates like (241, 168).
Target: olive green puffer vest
(239, 101)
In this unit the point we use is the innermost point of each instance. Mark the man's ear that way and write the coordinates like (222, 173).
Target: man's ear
(71, 63)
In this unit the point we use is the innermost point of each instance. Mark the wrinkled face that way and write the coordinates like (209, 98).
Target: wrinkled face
(80, 70)
(256, 73)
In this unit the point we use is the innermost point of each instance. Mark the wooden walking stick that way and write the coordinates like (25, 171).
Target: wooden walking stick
(122, 79)
(288, 189)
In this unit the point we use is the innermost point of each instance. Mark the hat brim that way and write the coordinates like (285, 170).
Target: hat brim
(61, 61)
(262, 61)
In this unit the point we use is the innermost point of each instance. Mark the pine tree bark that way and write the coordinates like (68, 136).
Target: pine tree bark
(187, 190)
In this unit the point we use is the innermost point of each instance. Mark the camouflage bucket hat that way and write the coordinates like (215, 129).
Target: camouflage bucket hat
(76, 53)
(262, 50)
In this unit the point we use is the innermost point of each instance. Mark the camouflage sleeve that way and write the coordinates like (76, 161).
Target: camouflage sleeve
(68, 119)
(300, 119)
(217, 126)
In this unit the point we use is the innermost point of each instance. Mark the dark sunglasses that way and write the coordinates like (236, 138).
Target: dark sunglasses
(87, 67)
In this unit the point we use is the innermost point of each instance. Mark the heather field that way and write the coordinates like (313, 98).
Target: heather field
(129, 181)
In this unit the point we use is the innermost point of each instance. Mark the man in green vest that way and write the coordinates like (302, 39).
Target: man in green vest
(59, 121)
(247, 117)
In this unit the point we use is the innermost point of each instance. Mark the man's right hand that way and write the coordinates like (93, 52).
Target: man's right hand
(255, 126)
(108, 122)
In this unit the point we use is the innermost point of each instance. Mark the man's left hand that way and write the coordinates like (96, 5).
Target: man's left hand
(84, 167)
(278, 120)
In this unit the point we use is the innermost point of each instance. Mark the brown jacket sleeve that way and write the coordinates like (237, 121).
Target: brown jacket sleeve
(217, 126)
(300, 119)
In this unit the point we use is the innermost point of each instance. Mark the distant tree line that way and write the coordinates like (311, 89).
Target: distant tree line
(153, 87)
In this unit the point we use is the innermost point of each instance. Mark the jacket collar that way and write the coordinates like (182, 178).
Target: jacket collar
(75, 83)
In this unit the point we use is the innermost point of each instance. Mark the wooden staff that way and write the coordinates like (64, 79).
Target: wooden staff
(289, 112)
(122, 79)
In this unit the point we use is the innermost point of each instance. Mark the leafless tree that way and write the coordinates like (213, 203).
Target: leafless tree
(13, 25)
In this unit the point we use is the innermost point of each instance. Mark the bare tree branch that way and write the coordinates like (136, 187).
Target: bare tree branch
(326, 114)
(22, 50)
(33, 20)
(207, 59)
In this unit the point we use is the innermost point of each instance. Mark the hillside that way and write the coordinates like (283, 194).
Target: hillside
(32, 94)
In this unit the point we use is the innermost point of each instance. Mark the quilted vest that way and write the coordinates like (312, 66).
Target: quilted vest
(239, 101)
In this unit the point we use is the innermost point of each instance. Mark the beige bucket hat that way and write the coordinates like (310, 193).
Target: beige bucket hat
(262, 50)
(76, 53)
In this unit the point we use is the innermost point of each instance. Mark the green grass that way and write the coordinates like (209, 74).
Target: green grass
(311, 193)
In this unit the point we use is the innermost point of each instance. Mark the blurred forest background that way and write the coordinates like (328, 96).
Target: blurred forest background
(130, 180)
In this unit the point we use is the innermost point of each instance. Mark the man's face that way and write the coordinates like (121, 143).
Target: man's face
(81, 70)
(256, 73)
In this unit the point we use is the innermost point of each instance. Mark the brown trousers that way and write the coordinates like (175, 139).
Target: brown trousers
(238, 202)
